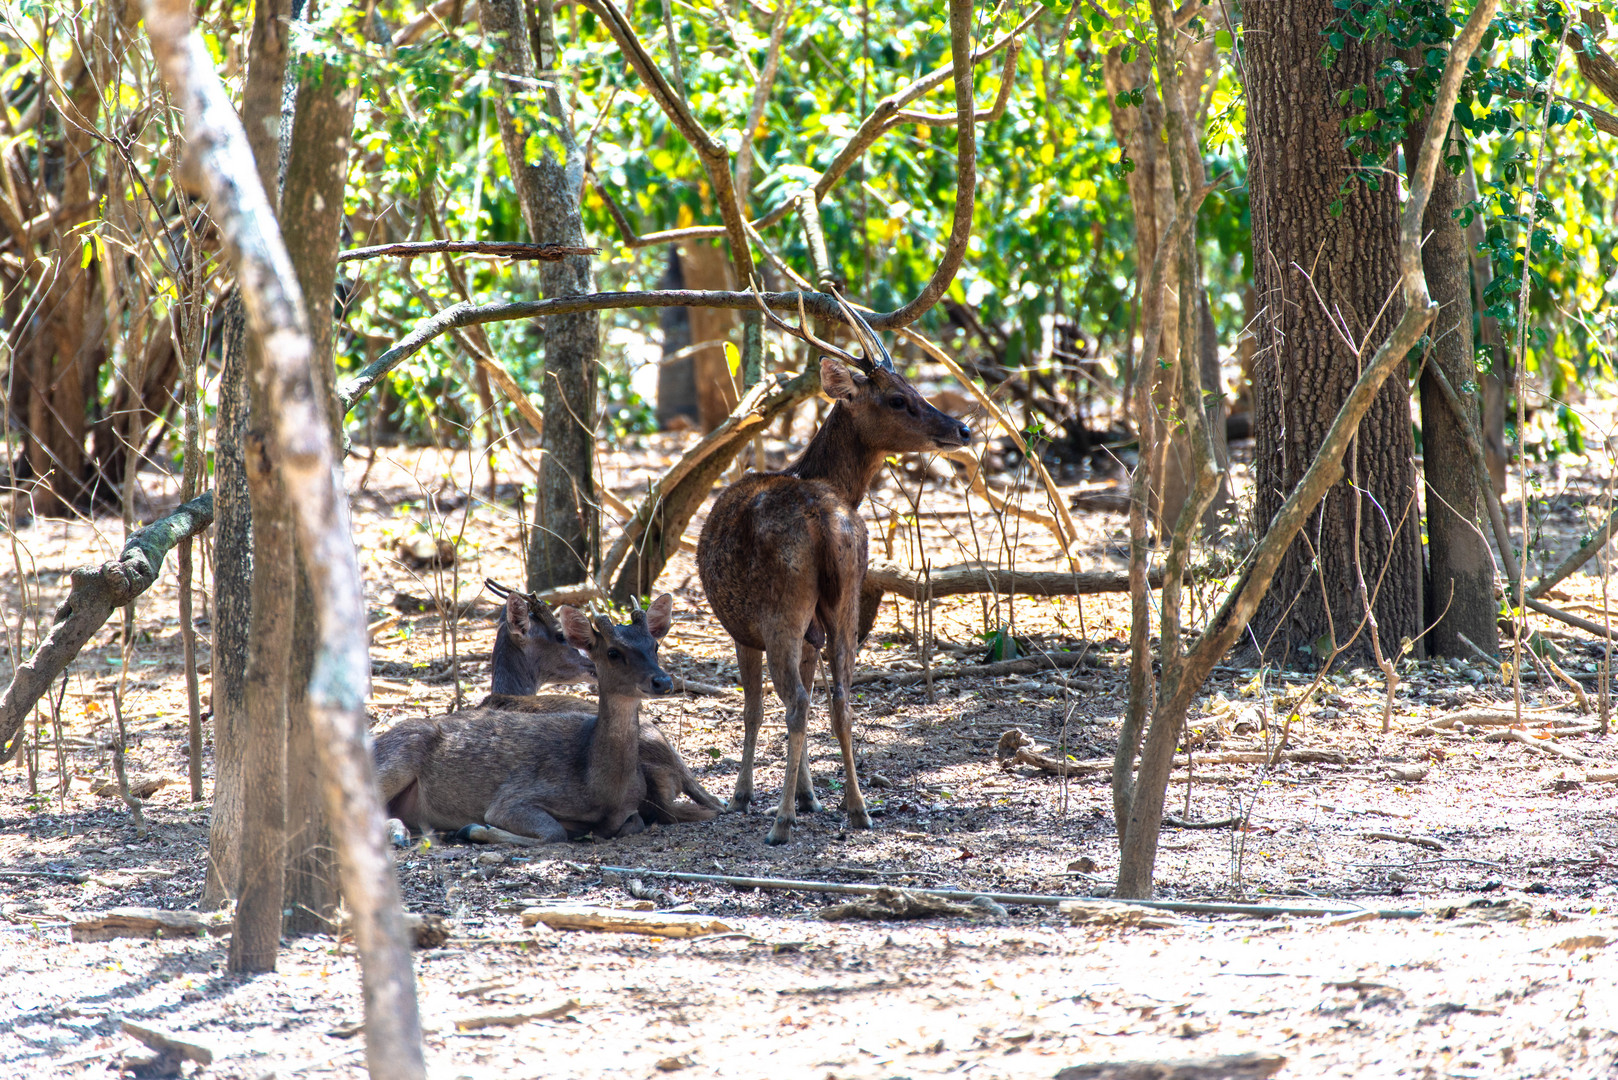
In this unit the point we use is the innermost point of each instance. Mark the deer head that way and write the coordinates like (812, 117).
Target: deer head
(625, 654)
(530, 648)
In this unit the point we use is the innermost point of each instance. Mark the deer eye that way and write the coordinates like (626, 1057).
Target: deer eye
(614, 654)
(897, 401)
(560, 637)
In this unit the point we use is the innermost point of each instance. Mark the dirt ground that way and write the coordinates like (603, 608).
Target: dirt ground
(1504, 849)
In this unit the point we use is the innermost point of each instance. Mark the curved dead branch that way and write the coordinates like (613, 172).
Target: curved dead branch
(96, 592)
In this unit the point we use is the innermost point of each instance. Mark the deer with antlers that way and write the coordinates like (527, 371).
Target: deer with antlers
(783, 555)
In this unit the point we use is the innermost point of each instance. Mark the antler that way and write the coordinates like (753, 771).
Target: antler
(868, 337)
(802, 331)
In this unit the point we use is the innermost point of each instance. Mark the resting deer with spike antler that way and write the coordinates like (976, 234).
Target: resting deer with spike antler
(535, 652)
(783, 555)
(549, 776)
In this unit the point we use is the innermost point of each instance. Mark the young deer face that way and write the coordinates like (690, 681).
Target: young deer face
(625, 655)
(889, 413)
(531, 651)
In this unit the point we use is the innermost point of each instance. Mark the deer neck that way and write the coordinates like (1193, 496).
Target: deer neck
(614, 749)
(840, 456)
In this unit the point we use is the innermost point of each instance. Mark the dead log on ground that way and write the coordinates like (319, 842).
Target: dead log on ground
(141, 922)
(655, 923)
(1025, 666)
(960, 580)
(1227, 1067)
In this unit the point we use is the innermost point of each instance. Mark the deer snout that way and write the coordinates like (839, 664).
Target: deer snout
(662, 684)
(957, 435)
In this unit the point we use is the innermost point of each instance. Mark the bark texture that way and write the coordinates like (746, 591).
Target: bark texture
(1310, 268)
(676, 380)
(1460, 589)
(706, 267)
(548, 168)
(233, 537)
(317, 169)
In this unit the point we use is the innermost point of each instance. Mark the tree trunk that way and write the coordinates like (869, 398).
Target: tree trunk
(706, 267)
(1319, 277)
(1460, 590)
(676, 379)
(1498, 373)
(60, 364)
(312, 195)
(1139, 130)
(233, 518)
(565, 540)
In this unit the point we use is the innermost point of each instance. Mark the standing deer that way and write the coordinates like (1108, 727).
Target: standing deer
(782, 557)
(550, 776)
(529, 657)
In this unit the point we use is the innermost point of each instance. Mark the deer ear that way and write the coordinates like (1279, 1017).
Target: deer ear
(837, 380)
(517, 614)
(576, 625)
(660, 616)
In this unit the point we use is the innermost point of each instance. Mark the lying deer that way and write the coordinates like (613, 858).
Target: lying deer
(550, 776)
(530, 649)
(782, 557)
(527, 658)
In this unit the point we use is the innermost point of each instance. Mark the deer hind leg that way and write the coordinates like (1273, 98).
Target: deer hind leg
(784, 657)
(841, 647)
(750, 669)
(806, 783)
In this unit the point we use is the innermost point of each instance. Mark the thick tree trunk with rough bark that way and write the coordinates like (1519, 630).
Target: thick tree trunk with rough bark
(1319, 278)
(1460, 568)
(548, 168)
(312, 195)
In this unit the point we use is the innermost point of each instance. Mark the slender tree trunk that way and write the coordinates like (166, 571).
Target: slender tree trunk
(1460, 591)
(312, 195)
(1321, 277)
(549, 171)
(260, 896)
(233, 517)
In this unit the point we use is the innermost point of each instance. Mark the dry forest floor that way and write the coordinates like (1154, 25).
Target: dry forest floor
(1506, 848)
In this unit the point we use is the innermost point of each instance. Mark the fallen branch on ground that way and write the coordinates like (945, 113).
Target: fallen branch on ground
(1401, 838)
(1517, 736)
(1256, 911)
(985, 578)
(1024, 666)
(170, 1048)
(555, 1012)
(1227, 1067)
(1499, 718)
(614, 920)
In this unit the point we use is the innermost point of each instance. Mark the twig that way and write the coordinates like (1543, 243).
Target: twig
(1401, 838)
(1518, 736)
(1031, 899)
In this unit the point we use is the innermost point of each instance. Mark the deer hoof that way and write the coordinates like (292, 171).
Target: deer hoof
(859, 819)
(474, 834)
(735, 805)
(779, 833)
(810, 803)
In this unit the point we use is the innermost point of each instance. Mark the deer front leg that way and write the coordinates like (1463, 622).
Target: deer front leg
(516, 815)
(750, 669)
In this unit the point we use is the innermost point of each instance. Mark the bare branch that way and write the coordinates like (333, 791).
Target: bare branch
(504, 249)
